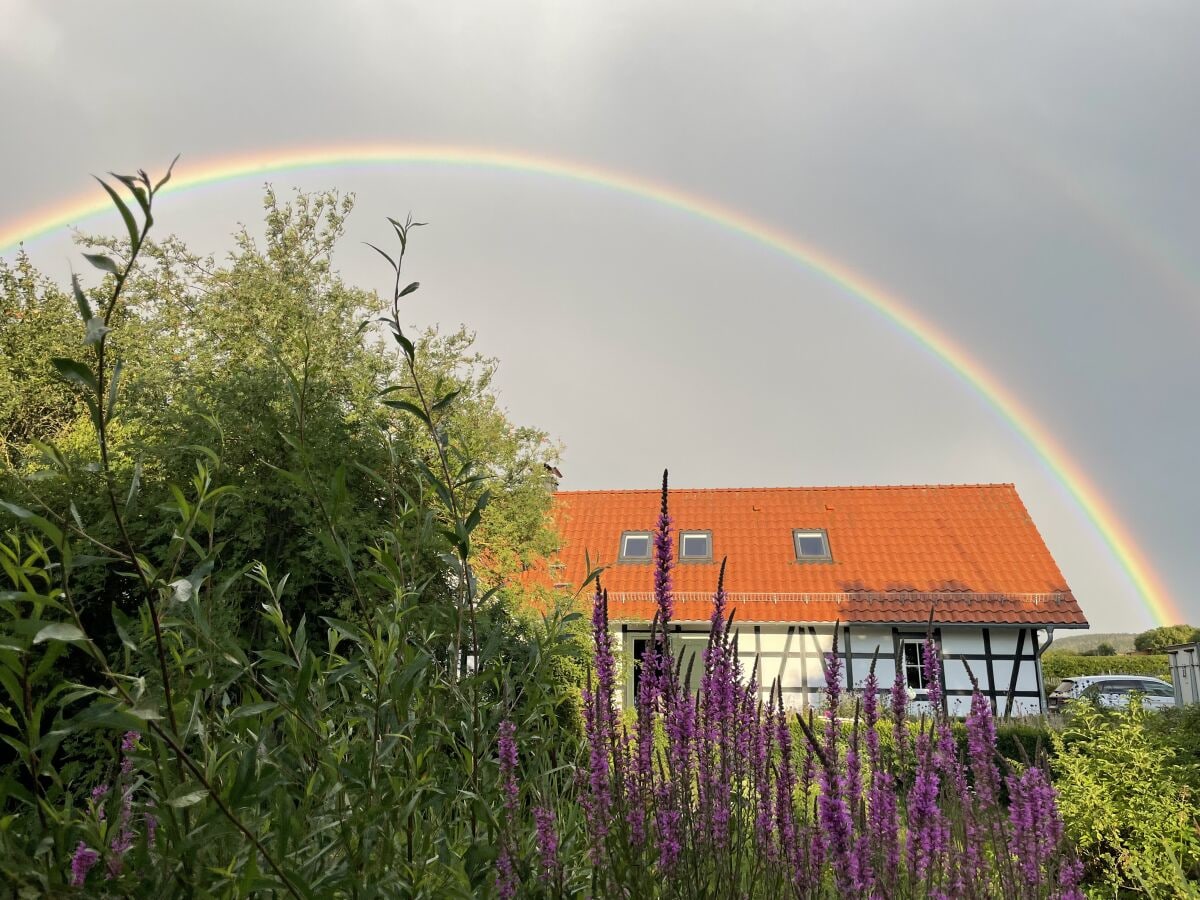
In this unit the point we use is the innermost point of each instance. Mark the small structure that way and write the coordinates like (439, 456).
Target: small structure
(876, 560)
(1184, 660)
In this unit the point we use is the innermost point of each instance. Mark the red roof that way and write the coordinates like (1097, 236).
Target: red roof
(970, 552)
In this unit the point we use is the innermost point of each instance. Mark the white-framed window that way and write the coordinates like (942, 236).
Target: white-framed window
(911, 657)
(695, 546)
(811, 544)
(636, 546)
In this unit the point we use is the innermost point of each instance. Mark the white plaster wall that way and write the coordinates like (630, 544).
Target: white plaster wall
(793, 656)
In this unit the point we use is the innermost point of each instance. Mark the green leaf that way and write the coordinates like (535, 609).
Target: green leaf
(166, 177)
(126, 215)
(59, 631)
(146, 713)
(45, 526)
(75, 372)
(391, 262)
(112, 390)
(136, 189)
(252, 709)
(447, 400)
(191, 798)
(404, 342)
(81, 300)
(134, 484)
(122, 623)
(408, 290)
(103, 263)
(410, 408)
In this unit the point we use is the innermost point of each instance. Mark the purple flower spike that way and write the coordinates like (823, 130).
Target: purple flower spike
(82, 862)
(507, 753)
(547, 842)
(663, 560)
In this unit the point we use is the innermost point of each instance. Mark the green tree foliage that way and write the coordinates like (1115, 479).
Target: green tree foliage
(1127, 805)
(1105, 649)
(345, 753)
(1057, 666)
(1157, 640)
(204, 347)
(36, 324)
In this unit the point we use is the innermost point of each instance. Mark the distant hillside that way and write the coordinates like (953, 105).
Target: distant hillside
(1085, 643)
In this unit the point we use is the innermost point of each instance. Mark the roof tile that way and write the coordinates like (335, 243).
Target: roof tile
(971, 552)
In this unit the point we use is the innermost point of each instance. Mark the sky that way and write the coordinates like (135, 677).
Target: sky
(1022, 175)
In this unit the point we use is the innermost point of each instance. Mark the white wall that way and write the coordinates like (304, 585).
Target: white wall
(794, 654)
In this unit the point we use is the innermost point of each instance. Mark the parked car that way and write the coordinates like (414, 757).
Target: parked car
(1112, 691)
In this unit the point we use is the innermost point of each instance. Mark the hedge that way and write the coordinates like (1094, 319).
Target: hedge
(1057, 666)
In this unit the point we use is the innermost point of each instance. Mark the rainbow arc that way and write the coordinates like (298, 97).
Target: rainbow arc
(955, 358)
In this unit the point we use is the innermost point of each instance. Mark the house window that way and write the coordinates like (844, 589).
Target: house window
(695, 546)
(914, 670)
(635, 546)
(812, 545)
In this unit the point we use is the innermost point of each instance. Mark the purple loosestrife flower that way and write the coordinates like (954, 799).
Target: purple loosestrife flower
(547, 842)
(981, 748)
(82, 862)
(663, 560)
(861, 875)
(785, 795)
(506, 875)
(506, 752)
(932, 670)
(833, 812)
(928, 832)
(899, 711)
(151, 824)
(764, 741)
(883, 828)
(600, 727)
(1036, 828)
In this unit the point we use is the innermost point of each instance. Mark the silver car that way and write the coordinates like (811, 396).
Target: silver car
(1112, 691)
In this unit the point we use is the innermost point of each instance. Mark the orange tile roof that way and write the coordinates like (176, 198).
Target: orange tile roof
(969, 551)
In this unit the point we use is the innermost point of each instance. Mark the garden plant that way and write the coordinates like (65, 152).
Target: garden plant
(258, 637)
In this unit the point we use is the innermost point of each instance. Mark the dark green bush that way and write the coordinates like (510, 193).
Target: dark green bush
(1057, 666)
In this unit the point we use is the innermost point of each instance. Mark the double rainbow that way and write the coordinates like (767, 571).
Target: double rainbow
(1068, 473)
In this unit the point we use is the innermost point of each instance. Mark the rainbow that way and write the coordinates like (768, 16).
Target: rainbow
(1131, 559)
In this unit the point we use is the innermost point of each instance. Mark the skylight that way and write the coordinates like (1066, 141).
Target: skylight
(635, 546)
(695, 545)
(811, 545)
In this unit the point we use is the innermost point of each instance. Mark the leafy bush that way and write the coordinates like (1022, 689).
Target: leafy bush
(306, 753)
(1178, 729)
(1156, 640)
(1057, 666)
(1128, 811)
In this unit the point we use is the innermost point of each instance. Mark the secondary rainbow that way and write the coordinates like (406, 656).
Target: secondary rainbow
(1068, 473)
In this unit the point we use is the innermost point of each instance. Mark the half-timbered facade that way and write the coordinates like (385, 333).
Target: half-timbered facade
(879, 563)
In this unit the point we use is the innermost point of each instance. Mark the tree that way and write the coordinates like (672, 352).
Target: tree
(207, 350)
(1156, 640)
(1106, 649)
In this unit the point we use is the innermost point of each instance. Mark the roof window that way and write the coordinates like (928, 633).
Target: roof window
(635, 546)
(695, 546)
(812, 545)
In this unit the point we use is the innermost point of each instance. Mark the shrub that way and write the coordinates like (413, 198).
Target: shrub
(304, 755)
(1057, 666)
(1131, 817)
(1156, 640)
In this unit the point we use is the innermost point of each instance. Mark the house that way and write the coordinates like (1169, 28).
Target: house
(875, 560)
